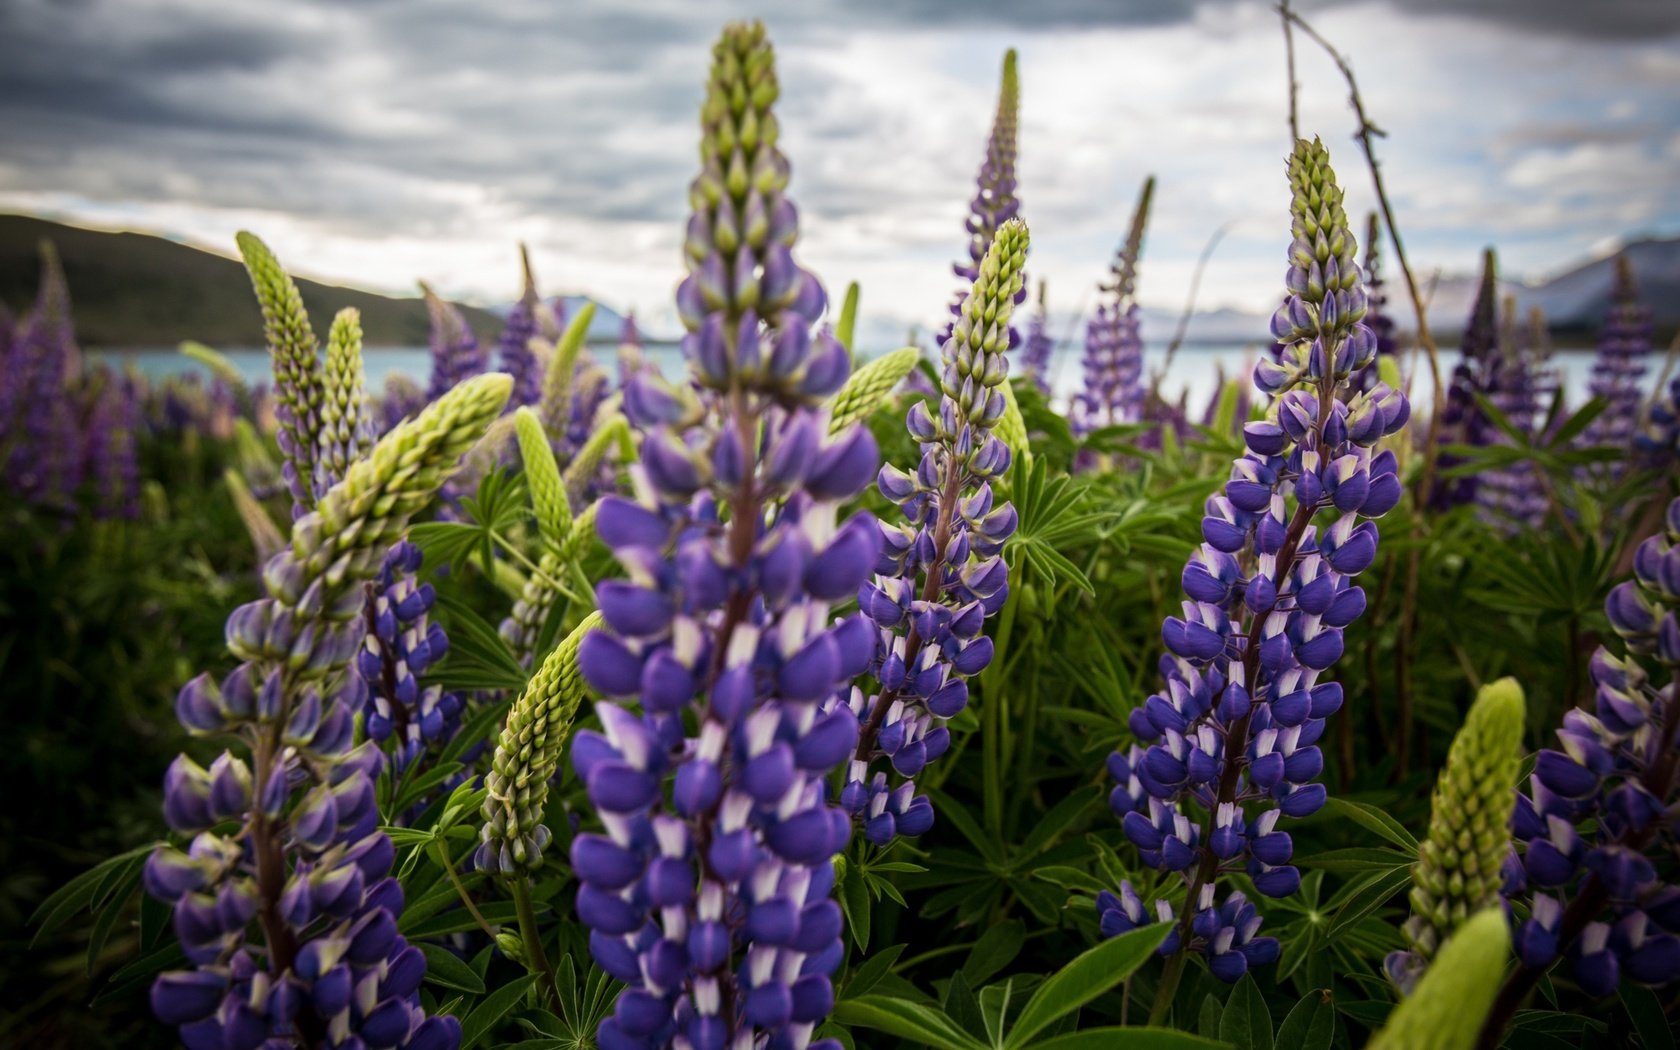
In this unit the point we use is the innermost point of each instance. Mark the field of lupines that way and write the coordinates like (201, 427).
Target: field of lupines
(801, 701)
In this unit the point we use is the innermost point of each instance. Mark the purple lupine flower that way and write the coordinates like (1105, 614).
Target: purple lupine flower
(1039, 347)
(306, 859)
(111, 447)
(1658, 442)
(710, 894)
(43, 455)
(456, 354)
(1229, 747)
(513, 348)
(1618, 370)
(1376, 299)
(941, 573)
(1511, 498)
(402, 642)
(995, 199)
(1112, 390)
(1596, 826)
(403, 398)
(1462, 420)
(629, 334)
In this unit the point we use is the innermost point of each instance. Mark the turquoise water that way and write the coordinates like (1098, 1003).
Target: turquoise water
(1195, 369)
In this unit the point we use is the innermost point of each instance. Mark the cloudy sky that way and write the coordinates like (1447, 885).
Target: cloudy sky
(381, 141)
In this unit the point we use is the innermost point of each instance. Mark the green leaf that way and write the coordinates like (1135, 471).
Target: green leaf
(478, 1024)
(1207, 1018)
(1374, 820)
(478, 657)
(996, 949)
(962, 1007)
(870, 971)
(1372, 894)
(1356, 860)
(444, 968)
(1645, 1010)
(1311, 1025)
(906, 1020)
(1083, 979)
(855, 904)
(81, 891)
(1246, 1023)
(1129, 1039)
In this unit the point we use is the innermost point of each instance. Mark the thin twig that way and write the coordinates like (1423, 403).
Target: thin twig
(1431, 449)
(1190, 302)
(1294, 85)
(461, 888)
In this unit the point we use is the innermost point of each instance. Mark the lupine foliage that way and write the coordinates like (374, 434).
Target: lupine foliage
(660, 725)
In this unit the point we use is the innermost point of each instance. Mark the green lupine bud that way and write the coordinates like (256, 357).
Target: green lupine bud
(265, 535)
(542, 477)
(527, 754)
(1124, 283)
(869, 387)
(847, 324)
(586, 463)
(342, 541)
(1457, 871)
(215, 360)
(981, 331)
(556, 405)
(523, 627)
(510, 945)
(297, 371)
(344, 417)
(1447, 1009)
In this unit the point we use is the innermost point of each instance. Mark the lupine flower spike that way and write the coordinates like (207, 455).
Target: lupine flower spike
(1597, 871)
(1457, 873)
(1229, 747)
(513, 348)
(1113, 362)
(1462, 420)
(456, 355)
(995, 201)
(344, 425)
(941, 572)
(1040, 346)
(1618, 370)
(306, 861)
(298, 383)
(709, 891)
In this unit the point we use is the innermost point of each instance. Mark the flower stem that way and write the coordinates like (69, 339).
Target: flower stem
(461, 888)
(530, 939)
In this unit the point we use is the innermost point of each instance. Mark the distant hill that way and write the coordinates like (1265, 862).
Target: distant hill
(136, 290)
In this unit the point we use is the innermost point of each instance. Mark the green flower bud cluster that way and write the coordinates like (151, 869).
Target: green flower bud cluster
(869, 387)
(536, 599)
(974, 365)
(528, 752)
(344, 416)
(1448, 1007)
(542, 477)
(1457, 872)
(315, 582)
(297, 371)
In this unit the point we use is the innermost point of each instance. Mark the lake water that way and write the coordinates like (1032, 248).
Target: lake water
(1196, 368)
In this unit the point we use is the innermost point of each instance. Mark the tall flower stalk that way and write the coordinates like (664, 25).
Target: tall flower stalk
(995, 199)
(306, 863)
(1039, 349)
(1462, 419)
(941, 573)
(1597, 877)
(709, 892)
(1112, 385)
(513, 347)
(298, 382)
(456, 354)
(1618, 369)
(1229, 747)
